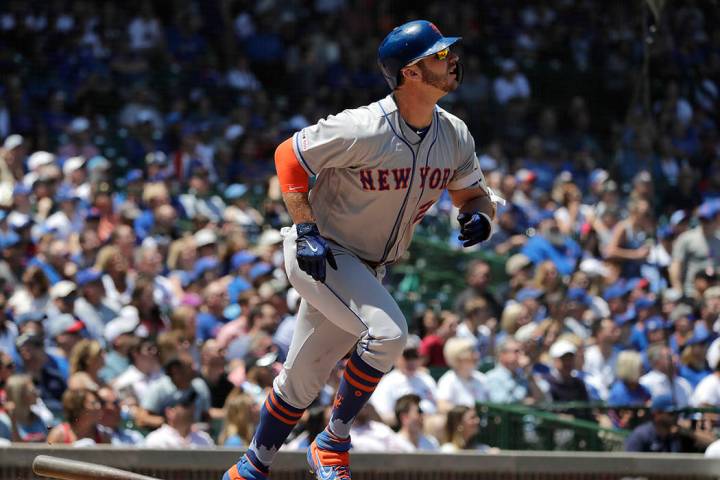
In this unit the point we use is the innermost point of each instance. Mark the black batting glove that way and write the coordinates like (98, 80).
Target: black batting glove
(474, 228)
(312, 251)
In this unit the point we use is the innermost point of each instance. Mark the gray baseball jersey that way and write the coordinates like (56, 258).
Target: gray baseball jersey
(376, 177)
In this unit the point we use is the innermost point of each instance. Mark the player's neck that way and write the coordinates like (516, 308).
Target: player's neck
(416, 107)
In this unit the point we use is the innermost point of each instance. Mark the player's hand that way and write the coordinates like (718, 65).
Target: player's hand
(312, 251)
(474, 228)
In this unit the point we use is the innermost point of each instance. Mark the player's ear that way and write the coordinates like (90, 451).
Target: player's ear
(410, 73)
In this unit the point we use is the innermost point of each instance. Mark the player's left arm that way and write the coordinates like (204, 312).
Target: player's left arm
(474, 199)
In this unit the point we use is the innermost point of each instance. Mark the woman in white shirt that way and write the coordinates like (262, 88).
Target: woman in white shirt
(463, 384)
(461, 428)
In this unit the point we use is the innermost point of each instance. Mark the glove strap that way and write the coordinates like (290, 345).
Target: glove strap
(304, 229)
(490, 223)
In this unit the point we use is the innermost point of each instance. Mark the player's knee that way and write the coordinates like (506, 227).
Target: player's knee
(392, 336)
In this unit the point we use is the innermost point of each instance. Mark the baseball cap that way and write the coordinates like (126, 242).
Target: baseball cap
(79, 124)
(260, 269)
(13, 141)
(9, 239)
(40, 158)
(528, 294)
(681, 311)
(30, 316)
(671, 295)
(713, 354)
(62, 289)
(623, 318)
(598, 176)
(232, 311)
(616, 290)
(134, 175)
(205, 237)
(712, 292)
(708, 210)
(269, 237)
(526, 332)
(644, 303)
(63, 323)
(21, 189)
(561, 348)
(98, 162)
(594, 267)
(205, 264)
(516, 263)
(29, 338)
(699, 337)
(243, 257)
(663, 403)
(524, 175)
(578, 295)
(235, 191)
(72, 164)
(678, 217)
(156, 158)
(185, 398)
(86, 276)
(655, 323)
(127, 321)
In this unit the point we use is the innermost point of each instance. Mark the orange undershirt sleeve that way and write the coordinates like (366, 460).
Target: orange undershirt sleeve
(291, 174)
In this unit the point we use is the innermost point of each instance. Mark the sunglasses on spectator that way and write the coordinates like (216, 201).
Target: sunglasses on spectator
(441, 55)
(8, 365)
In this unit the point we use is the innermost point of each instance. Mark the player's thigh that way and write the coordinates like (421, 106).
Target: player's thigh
(352, 296)
(317, 345)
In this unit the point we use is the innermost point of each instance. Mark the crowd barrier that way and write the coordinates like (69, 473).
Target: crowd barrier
(209, 464)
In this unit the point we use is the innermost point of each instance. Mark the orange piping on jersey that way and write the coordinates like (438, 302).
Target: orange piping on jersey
(291, 174)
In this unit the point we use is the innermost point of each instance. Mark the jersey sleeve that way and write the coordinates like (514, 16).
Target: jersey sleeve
(330, 143)
(468, 174)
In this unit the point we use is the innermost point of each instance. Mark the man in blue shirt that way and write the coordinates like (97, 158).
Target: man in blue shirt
(551, 244)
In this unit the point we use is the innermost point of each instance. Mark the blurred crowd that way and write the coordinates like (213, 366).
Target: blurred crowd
(143, 298)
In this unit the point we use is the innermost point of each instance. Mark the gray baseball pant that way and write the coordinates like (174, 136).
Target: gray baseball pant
(352, 306)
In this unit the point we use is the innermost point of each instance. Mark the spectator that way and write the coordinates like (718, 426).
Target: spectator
(696, 250)
(601, 358)
(463, 384)
(551, 244)
(508, 382)
(64, 331)
(663, 379)
(512, 85)
(707, 393)
(176, 430)
(25, 425)
(90, 306)
(371, 435)
(212, 370)
(45, 370)
(116, 279)
(565, 386)
(241, 416)
(627, 391)
(82, 412)
(86, 360)
(211, 319)
(630, 239)
(479, 324)
(34, 293)
(431, 346)
(410, 419)
(693, 366)
(111, 420)
(144, 370)
(478, 279)
(660, 434)
(461, 428)
(180, 376)
(406, 378)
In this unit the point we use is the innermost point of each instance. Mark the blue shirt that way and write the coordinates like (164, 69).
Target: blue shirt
(693, 376)
(208, 325)
(538, 249)
(623, 396)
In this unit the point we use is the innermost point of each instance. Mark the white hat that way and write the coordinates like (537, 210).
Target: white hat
(269, 237)
(234, 131)
(79, 124)
(62, 289)
(13, 141)
(562, 348)
(38, 159)
(713, 354)
(127, 321)
(525, 333)
(72, 164)
(204, 237)
(594, 267)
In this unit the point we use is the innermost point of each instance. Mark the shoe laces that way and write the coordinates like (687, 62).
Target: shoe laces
(342, 472)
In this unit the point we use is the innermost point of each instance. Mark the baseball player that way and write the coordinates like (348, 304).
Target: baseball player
(377, 170)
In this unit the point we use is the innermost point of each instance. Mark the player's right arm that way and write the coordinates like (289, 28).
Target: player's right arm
(294, 183)
(312, 248)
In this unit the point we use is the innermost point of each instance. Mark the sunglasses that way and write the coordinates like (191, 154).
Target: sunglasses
(441, 55)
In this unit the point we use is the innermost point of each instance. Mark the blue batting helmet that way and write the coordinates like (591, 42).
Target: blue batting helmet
(409, 42)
